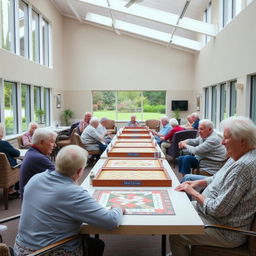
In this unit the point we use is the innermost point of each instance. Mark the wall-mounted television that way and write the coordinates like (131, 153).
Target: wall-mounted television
(182, 105)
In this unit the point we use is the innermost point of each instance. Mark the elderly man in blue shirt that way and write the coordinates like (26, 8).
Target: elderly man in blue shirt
(54, 207)
(166, 128)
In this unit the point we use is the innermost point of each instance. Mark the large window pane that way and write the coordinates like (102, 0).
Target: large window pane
(23, 28)
(25, 106)
(206, 103)
(233, 98)
(214, 104)
(223, 102)
(35, 36)
(45, 41)
(253, 99)
(10, 107)
(47, 105)
(120, 105)
(7, 21)
(38, 112)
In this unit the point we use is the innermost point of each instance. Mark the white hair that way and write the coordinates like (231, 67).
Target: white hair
(207, 123)
(31, 124)
(241, 128)
(103, 119)
(94, 120)
(173, 122)
(70, 159)
(195, 114)
(43, 134)
(164, 118)
(133, 115)
(2, 131)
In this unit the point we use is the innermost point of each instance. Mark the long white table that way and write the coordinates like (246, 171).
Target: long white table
(185, 220)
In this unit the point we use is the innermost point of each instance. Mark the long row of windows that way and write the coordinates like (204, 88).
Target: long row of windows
(120, 105)
(22, 104)
(24, 31)
(220, 100)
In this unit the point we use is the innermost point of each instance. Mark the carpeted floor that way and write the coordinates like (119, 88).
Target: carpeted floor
(125, 245)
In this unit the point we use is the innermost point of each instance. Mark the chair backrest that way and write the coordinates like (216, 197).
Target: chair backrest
(252, 239)
(8, 175)
(4, 250)
(153, 124)
(174, 150)
(20, 142)
(73, 126)
(78, 140)
(110, 124)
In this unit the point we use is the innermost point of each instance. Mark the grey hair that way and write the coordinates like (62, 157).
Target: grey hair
(133, 115)
(103, 119)
(241, 128)
(94, 120)
(70, 159)
(31, 124)
(2, 131)
(43, 134)
(207, 123)
(165, 118)
(88, 113)
(173, 122)
(195, 114)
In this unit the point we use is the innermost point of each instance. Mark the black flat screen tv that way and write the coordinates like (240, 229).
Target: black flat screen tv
(182, 105)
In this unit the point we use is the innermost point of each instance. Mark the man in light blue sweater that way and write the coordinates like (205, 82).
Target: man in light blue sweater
(54, 207)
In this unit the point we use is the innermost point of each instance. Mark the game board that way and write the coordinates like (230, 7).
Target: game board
(156, 202)
(142, 163)
(150, 177)
(134, 135)
(135, 131)
(134, 152)
(129, 145)
(128, 140)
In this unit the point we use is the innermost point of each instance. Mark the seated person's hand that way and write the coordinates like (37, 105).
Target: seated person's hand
(182, 144)
(161, 138)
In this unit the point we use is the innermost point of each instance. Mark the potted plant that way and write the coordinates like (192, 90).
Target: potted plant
(67, 115)
(40, 115)
(177, 114)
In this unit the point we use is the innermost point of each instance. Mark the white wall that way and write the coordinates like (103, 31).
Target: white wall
(231, 55)
(97, 59)
(19, 69)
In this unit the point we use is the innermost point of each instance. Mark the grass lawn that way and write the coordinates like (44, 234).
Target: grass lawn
(126, 116)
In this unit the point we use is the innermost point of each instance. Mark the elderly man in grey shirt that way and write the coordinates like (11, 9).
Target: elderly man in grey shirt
(206, 146)
(92, 139)
(229, 195)
(54, 207)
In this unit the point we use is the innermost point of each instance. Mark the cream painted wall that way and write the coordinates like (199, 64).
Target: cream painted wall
(231, 55)
(97, 59)
(18, 69)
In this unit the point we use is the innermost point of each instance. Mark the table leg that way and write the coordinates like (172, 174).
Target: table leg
(163, 245)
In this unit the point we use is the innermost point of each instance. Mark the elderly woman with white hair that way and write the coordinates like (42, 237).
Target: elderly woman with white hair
(133, 122)
(195, 118)
(166, 128)
(101, 129)
(167, 140)
(55, 206)
(91, 138)
(36, 159)
(27, 137)
(207, 145)
(229, 196)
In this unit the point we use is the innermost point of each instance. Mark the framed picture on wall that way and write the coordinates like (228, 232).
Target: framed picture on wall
(58, 101)
(198, 103)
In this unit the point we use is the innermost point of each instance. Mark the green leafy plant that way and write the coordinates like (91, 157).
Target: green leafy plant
(67, 115)
(176, 114)
(40, 113)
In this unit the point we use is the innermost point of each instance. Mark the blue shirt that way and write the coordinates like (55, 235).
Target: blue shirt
(165, 130)
(10, 152)
(196, 124)
(54, 207)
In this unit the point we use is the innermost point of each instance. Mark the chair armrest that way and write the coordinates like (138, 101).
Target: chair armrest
(54, 245)
(14, 217)
(244, 232)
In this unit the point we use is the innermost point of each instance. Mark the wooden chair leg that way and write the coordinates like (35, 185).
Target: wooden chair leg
(5, 198)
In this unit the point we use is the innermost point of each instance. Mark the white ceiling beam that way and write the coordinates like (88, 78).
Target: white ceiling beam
(113, 19)
(159, 16)
(74, 10)
(143, 32)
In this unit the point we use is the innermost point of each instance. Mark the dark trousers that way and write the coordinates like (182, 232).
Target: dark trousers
(186, 163)
(92, 246)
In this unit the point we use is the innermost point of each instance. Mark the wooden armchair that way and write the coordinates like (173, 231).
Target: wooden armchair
(111, 126)
(153, 124)
(20, 142)
(247, 249)
(82, 145)
(70, 141)
(9, 176)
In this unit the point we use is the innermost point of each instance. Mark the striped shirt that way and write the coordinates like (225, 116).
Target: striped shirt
(230, 196)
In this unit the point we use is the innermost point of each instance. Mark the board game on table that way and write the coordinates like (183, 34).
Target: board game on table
(151, 177)
(134, 136)
(156, 202)
(134, 130)
(132, 144)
